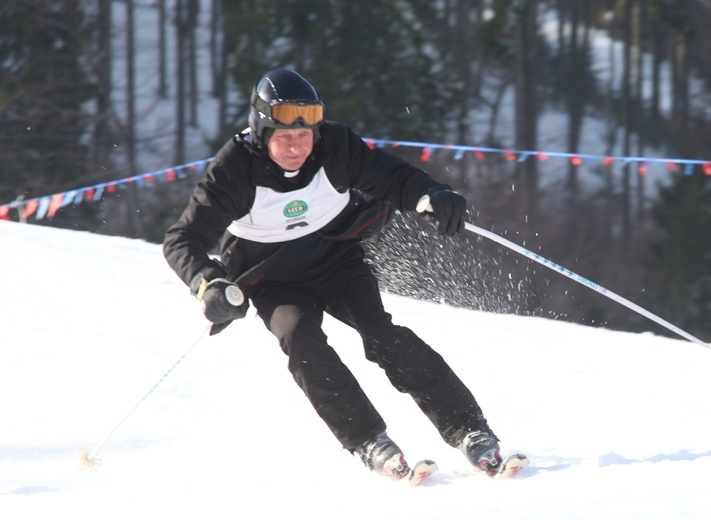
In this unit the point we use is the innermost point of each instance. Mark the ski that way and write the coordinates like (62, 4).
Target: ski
(421, 470)
(511, 465)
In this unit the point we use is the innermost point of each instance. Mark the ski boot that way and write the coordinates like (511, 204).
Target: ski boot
(383, 456)
(482, 449)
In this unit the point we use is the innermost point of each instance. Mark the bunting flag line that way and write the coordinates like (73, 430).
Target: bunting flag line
(576, 159)
(47, 206)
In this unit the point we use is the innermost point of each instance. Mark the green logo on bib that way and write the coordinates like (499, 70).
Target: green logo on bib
(295, 209)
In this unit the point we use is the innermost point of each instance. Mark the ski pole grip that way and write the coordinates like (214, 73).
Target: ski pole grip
(424, 205)
(233, 294)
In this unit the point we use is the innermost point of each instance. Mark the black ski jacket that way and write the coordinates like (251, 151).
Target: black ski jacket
(227, 190)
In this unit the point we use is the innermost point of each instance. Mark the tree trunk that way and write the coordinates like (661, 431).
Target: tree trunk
(478, 78)
(162, 60)
(180, 83)
(526, 112)
(223, 85)
(192, 20)
(654, 108)
(681, 87)
(626, 110)
(216, 64)
(102, 133)
(132, 196)
(576, 62)
(638, 78)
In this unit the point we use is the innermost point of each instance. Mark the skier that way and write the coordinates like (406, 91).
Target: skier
(289, 200)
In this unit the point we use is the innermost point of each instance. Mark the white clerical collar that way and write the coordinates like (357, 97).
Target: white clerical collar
(291, 175)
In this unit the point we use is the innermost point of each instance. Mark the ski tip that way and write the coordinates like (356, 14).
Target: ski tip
(511, 465)
(421, 470)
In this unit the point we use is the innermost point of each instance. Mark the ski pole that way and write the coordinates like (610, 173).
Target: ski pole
(424, 205)
(88, 459)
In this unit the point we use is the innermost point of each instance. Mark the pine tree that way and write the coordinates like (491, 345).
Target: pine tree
(680, 261)
(42, 88)
(378, 65)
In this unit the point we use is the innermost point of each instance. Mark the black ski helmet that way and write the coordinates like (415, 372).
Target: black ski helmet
(286, 94)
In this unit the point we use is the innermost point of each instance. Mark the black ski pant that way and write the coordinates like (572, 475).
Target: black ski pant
(350, 293)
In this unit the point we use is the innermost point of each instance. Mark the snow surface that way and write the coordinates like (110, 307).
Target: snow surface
(616, 424)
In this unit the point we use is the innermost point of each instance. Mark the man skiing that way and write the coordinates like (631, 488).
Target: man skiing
(289, 201)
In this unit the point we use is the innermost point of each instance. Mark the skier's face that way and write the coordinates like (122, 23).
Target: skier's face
(290, 148)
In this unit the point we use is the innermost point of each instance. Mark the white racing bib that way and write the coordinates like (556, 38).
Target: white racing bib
(278, 217)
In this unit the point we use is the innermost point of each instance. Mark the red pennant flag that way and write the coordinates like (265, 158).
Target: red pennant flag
(577, 161)
(4, 210)
(89, 194)
(510, 156)
(607, 161)
(370, 144)
(642, 169)
(541, 156)
(54, 204)
(170, 175)
(426, 154)
(30, 207)
(707, 168)
(111, 188)
(148, 178)
(479, 154)
(672, 167)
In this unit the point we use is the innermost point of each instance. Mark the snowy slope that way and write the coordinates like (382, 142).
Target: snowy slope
(617, 425)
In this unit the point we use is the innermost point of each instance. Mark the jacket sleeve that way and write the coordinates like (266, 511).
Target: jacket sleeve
(376, 172)
(216, 201)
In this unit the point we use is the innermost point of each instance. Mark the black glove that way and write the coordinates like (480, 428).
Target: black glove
(449, 210)
(223, 301)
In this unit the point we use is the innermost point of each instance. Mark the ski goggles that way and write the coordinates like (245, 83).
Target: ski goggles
(289, 113)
